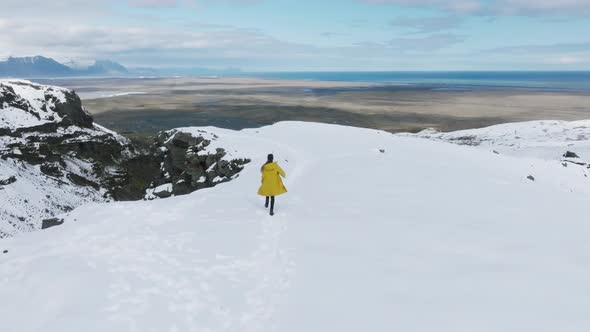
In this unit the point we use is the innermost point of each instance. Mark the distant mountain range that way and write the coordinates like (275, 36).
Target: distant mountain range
(40, 66)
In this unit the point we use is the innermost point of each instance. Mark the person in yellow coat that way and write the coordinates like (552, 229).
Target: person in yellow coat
(272, 184)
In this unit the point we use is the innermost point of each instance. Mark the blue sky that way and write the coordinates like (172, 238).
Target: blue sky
(305, 35)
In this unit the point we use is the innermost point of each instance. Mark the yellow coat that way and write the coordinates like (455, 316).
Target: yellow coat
(272, 185)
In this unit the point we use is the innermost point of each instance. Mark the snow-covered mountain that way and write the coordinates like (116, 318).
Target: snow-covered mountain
(35, 66)
(106, 67)
(378, 232)
(39, 66)
(53, 158)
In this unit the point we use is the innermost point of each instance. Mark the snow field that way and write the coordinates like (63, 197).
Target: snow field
(425, 236)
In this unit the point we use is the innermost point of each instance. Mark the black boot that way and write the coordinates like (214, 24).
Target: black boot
(266, 202)
(272, 206)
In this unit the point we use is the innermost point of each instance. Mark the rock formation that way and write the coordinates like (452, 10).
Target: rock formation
(53, 158)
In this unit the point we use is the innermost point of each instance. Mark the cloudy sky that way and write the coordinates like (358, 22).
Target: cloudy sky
(296, 35)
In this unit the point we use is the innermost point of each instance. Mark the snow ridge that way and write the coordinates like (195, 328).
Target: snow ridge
(548, 139)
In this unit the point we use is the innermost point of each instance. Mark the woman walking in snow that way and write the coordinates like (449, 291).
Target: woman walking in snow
(272, 184)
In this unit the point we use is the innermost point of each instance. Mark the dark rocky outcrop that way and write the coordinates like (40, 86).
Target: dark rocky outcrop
(573, 158)
(72, 111)
(471, 140)
(47, 223)
(179, 159)
(7, 181)
(60, 144)
(51, 169)
(135, 175)
(569, 154)
(82, 181)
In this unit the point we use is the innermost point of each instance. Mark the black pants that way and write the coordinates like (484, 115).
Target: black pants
(272, 203)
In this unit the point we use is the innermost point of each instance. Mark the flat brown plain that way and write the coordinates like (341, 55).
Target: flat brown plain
(249, 102)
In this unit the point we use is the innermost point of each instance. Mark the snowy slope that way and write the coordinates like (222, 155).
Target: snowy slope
(424, 236)
(41, 127)
(540, 139)
(35, 196)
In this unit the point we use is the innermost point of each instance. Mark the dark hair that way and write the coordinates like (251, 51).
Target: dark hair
(269, 160)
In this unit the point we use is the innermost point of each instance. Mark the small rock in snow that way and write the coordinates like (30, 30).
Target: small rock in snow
(51, 222)
(530, 177)
(570, 154)
(4, 182)
(163, 191)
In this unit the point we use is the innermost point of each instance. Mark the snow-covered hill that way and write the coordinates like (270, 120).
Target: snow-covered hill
(378, 232)
(540, 139)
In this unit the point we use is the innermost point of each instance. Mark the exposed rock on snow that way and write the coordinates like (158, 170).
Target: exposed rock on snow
(163, 191)
(52, 153)
(7, 181)
(51, 222)
(191, 160)
(54, 158)
(29, 107)
(177, 163)
(570, 154)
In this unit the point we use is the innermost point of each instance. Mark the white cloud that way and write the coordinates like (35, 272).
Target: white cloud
(113, 38)
(82, 30)
(557, 48)
(568, 60)
(425, 44)
(460, 6)
(427, 24)
(499, 7)
(154, 3)
(191, 3)
(541, 7)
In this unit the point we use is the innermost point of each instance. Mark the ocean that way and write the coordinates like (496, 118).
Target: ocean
(454, 80)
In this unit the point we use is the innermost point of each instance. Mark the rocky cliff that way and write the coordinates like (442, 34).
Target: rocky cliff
(53, 158)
